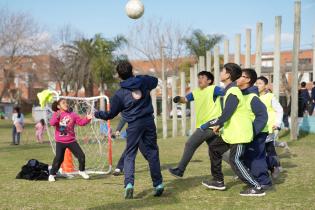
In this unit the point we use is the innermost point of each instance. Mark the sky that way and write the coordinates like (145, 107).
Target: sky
(212, 17)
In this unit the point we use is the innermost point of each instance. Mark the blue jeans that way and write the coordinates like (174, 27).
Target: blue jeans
(15, 136)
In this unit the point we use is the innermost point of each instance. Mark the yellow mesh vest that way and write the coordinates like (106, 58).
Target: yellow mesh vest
(266, 99)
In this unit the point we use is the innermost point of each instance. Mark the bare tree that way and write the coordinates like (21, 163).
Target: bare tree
(20, 36)
(151, 39)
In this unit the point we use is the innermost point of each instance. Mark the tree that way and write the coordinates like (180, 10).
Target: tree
(199, 43)
(20, 37)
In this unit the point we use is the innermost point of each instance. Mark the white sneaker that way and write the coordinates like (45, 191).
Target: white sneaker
(84, 174)
(51, 178)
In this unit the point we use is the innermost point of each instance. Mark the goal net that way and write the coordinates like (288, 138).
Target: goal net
(94, 138)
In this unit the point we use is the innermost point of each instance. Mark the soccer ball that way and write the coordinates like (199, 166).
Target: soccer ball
(134, 9)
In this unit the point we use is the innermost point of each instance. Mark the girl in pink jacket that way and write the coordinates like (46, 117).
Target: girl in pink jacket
(64, 122)
(39, 130)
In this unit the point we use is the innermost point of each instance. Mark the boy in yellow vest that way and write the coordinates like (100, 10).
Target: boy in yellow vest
(207, 107)
(237, 132)
(275, 114)
(255, 152)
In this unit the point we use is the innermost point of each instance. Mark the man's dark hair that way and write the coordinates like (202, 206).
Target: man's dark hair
(234, 70)
(208, 74)
(264, 79)
(251, 74)
(124, 69)
(303, 84)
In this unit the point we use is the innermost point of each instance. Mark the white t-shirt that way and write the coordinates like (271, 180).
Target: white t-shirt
(15, 118)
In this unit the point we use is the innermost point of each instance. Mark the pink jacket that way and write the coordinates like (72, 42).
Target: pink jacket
(64, 123)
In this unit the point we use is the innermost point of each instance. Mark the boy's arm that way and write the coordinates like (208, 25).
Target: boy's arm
(115, 108)
(151, 82)
(230, 106)
(261, 116)
(279, 111)
(182, 100)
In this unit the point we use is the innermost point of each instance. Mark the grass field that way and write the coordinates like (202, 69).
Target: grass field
(295, 189)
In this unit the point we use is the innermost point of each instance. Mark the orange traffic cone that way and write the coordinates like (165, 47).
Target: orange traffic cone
(67, 164)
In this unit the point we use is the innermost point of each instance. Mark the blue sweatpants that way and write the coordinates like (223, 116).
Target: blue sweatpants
(142, 135)
(255, 159)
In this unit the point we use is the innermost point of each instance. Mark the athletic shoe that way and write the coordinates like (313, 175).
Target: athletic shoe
(253, 191)
(84, 174)
(176, 172)
(51, 178)
(266, 187)
(158, 190)
(129, 191)
(213, 184)
(117, 172)
(275, 172)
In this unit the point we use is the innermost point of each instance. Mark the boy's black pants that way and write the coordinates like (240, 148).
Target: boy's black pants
(217, 148)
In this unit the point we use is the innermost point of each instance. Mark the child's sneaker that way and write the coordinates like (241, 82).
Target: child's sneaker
(117, 172)
(84, 174)
(129, 191)
(158, 190)
(216, 185)
(51, 178)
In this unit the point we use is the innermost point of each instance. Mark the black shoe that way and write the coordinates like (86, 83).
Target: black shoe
(176, 172)
(253, 191)
(275, 172)
(213, 184)
(266, 187)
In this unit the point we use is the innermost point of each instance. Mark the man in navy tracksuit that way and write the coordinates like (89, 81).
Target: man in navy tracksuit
(133, 100)
(255, 152)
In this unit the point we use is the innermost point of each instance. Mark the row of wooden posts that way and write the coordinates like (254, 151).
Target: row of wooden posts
(205, 64)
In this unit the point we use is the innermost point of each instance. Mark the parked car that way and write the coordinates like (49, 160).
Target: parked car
(179, 112)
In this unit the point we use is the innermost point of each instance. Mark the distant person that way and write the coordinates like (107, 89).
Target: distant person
(313, 98)
(305, 96)
(39, 130)
(18, 124)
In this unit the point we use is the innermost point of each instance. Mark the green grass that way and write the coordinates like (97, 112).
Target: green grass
(295, 189)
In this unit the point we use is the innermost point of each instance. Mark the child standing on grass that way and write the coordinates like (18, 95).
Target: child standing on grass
(133, 100)
(40, 128)
(64, 122)
(18, 124)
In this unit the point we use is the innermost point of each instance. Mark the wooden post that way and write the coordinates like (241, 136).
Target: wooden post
(192, 104)
(153, 96)
(295, 63)
(164, 108)
(216, 65)
(208, 60)
(202, 63)
(259, 32)
(276, 65)
(226, 51)
(237, 54)
(183, 94)
(248, 48)
(174, 107)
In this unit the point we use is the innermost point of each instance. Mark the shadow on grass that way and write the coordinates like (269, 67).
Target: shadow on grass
(145, 198)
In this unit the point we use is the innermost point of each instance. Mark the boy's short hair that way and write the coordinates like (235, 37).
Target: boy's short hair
(251, 74)
(208, 74)
(124, 69)
(303, 84)
(234, 70)
(314, 83)
(264, 79)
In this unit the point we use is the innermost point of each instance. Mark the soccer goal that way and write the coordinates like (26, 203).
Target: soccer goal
(94, 138)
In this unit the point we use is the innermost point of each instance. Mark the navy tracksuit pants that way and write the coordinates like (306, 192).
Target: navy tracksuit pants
(142, 135)
(255, 159)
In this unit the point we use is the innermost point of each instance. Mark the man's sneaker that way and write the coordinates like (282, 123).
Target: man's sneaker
(253, 191)
(176, 172)
(84, 174)
(51, 178)
(129, 191)
(275, 172)
(213, 184)
(158, 190)
(117, 172)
